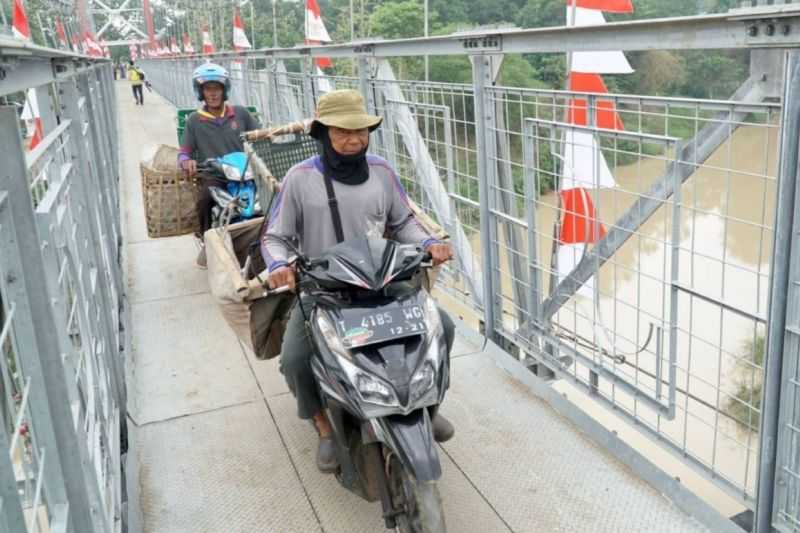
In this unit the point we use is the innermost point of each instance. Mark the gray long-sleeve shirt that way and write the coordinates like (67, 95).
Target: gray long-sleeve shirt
(376, 207)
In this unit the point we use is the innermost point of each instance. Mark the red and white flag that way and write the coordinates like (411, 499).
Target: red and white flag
(585, 169)
(607, 62)
(187, 44)
(30, 114)
(91, 46)
(316, 33)
(611, 6)
(133, 52)
(208, 45)
(62, 34)
(240, 41)
(19, 22)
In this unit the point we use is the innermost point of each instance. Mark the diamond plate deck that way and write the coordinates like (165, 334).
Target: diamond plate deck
(220, 472)
(342, 512)
(186, 360)
(537, 469)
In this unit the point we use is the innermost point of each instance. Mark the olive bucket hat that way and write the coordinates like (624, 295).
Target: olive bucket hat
(343, 109)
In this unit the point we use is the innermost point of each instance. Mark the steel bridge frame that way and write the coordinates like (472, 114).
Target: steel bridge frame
(774, 27)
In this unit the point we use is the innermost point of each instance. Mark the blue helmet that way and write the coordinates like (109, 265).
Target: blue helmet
(207, 73)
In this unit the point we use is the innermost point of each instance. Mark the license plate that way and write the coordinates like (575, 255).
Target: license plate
(361, 327)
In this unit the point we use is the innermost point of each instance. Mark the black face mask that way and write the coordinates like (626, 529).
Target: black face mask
(348, 169)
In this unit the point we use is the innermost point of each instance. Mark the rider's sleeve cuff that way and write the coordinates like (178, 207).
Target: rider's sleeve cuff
(427, 242)
(276, 265)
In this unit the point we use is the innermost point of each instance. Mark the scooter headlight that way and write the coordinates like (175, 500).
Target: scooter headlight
(232, 173)
(370, 389)
(373, 391)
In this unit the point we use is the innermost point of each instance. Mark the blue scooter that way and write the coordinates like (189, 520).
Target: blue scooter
(238, 200)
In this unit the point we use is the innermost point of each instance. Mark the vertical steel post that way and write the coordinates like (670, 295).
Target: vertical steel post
(481, 75)
(38, 339)
(779, 283)
(364, 80)
(530, 159)
(308, 87)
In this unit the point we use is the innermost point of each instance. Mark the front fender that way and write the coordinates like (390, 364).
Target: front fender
(411, 438)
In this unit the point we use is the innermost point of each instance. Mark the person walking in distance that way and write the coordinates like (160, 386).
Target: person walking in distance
(136, 77)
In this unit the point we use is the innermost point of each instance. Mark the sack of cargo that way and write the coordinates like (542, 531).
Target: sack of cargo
(233, 256)
(169, 196)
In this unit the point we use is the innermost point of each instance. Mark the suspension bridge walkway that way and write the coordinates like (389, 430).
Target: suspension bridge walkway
(216, 446)
(642, 377)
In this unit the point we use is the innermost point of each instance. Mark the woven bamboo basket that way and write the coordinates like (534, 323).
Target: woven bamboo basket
(169, 196)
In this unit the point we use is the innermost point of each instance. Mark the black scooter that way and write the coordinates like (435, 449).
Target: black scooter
(382, 369)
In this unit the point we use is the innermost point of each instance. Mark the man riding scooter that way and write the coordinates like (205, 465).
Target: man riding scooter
(212, 131)
(371, 201)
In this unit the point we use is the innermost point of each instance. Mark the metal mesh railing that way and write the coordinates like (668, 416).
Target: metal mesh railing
(669, 327)
(62, 391)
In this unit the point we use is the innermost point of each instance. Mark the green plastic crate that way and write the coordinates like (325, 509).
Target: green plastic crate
(183, 114)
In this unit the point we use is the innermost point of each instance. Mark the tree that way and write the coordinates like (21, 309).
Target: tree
(517, 72)
(657, 72)
(540, 14)
(397, 20)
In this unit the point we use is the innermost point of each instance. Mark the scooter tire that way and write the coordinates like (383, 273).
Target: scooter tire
(421, 501)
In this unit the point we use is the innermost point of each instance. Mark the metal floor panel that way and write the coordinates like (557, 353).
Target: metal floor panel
(463, 346)
(186, 360)
(220, 472)
(268, 375)
(164, 268)
(538, 470)
(340, 511)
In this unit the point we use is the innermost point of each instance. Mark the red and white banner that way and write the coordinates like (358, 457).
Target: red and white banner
(187, 44)
(173, 46)
(30, 114)
(585, 169)
(208, 45)
(19, 22)
(91, 46)
(61, 34)
(610, 6)
(316, 33)
(240, 41)
(608, 62)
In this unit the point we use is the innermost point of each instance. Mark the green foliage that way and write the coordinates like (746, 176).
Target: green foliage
(744, 405)
(517, 72)
(397, 20)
